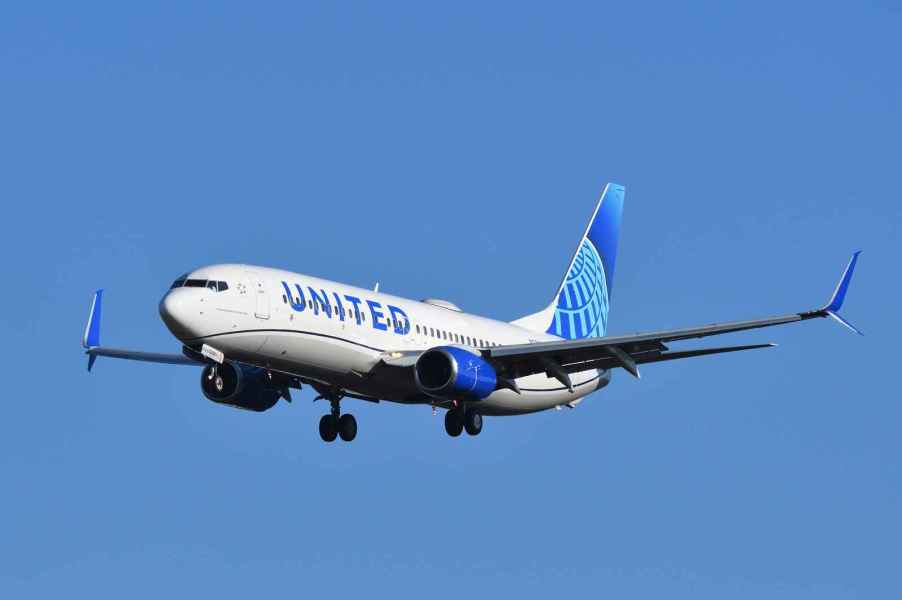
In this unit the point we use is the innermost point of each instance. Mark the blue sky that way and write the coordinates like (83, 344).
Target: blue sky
(455, 152)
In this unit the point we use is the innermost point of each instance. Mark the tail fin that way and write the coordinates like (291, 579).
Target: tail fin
(580, 307)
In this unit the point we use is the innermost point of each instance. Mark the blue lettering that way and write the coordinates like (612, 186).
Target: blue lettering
(402, 323)
(320, 302)
(297, 304)
(356, 302)
(377, 315)
(339, 306)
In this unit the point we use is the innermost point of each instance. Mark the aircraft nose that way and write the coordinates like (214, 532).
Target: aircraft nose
(176, 313)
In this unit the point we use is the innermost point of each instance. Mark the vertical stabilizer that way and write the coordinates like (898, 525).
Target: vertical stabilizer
(580, 307)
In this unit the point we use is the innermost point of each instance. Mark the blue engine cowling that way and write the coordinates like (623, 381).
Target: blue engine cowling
(239, 385)
(455, 374)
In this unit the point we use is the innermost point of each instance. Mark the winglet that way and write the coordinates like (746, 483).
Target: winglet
(843, 322)
(92, 329)
(91, 339)
(839, 295)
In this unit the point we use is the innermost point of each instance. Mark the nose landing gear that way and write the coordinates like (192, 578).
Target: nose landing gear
(216, 378)
(336, 424)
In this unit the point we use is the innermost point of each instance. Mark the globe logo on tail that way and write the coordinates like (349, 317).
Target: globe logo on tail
(582, 309)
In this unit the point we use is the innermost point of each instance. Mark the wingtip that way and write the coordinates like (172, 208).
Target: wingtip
(844, 322)
(839, 294)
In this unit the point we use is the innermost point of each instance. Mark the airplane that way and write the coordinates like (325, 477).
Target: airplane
(259, 332)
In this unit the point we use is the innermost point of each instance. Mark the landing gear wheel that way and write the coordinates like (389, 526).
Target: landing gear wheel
(328, 428)
(347, 427)
(454, 425)
(473, 423)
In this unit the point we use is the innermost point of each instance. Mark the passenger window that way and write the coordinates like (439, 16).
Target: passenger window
(284, 299)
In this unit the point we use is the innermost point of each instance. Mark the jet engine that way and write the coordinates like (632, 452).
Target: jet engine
(239, 385)
(453, 373)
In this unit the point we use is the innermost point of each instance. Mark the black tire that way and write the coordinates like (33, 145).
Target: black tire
(347, 427)
(473, 423)
(328, 428)
(454, 425)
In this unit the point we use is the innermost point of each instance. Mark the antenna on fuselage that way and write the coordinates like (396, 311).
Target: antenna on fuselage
(376, 289)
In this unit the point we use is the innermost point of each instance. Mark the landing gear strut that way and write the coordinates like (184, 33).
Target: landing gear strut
(336, 424)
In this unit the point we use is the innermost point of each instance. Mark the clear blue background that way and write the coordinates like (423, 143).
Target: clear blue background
(454, 152)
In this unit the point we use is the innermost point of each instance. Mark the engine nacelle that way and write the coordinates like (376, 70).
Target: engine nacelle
(239, 385)
(455, 374)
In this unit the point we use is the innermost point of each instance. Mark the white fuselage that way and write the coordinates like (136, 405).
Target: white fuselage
(347, 337)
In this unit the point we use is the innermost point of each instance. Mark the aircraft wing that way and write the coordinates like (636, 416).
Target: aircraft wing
(559, 358)
(91, 342)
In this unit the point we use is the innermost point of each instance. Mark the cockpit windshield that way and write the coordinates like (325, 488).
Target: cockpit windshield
(211, 284)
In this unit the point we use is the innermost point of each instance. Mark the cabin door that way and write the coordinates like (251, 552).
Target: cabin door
(261, 298)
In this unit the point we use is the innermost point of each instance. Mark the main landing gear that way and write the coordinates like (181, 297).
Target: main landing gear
(457, 420)
(336, 424)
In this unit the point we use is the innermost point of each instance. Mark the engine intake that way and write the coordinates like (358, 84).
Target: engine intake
(239, 385)
(454, 373)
